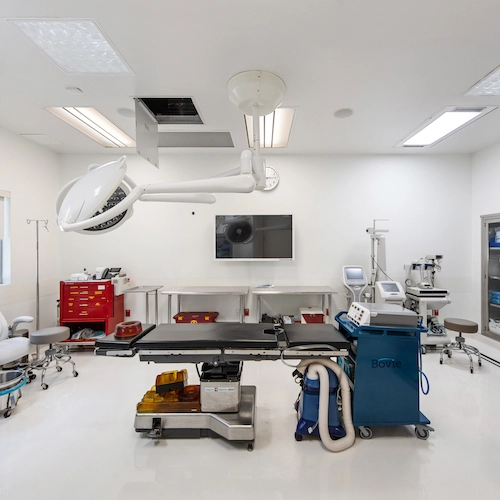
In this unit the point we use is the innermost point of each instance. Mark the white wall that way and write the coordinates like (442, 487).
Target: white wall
(427, 200)
(485, 200)
(31, 174)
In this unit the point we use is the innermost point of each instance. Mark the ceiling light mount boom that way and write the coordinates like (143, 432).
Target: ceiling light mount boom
(102, 199)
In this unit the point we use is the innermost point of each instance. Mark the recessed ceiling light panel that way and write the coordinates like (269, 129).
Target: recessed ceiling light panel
(274, 128)
(77, 46)
(94, 125)
(489, 85)
(444, 123)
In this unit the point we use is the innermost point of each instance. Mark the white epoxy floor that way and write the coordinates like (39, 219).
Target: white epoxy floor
(76, 440)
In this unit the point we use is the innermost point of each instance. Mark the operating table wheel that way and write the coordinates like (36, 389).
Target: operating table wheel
(422, 432)
(365, 433)
(250, 446)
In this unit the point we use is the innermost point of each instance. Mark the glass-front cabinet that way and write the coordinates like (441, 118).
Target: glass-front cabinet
(490, 272)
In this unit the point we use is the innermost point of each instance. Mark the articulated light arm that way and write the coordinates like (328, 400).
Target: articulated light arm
(75, 218)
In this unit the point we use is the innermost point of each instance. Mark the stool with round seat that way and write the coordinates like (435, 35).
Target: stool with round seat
(461, 326)
(50, 336)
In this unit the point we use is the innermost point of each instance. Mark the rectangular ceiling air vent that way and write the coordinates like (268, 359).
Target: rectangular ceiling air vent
(195, 140)
(172, 110)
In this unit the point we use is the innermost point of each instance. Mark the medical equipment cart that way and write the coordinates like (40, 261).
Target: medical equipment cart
(383, 366)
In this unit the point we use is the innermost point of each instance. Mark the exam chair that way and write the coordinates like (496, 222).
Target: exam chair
(13, 348)
(461, 326)
(14, 351)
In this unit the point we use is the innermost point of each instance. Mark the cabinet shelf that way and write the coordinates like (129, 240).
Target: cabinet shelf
(495, 305)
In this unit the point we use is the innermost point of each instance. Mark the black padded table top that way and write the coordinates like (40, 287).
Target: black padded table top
(224, 336)
(112, 342)
(208, 335)
(310, 334)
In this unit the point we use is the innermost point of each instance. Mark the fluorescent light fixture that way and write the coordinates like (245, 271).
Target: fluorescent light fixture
(91, 123)
(274, 128)
(489, 85)
(442, 124)
(77, 46)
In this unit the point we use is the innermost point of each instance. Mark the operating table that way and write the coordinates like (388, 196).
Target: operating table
(220, 345)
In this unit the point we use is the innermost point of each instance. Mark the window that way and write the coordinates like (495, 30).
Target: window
(4, 237)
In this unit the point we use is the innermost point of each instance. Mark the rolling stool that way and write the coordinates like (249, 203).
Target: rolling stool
(50, 336)
(461, 326)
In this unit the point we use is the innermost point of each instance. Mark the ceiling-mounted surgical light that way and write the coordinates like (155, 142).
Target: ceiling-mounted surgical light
(275, 128)
(94, 125)
(102, 199)
(444, 123)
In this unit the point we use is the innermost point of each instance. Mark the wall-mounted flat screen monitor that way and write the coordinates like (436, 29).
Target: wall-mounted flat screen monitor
(253, 237)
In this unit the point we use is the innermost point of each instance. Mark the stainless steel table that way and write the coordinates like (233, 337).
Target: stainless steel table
(325, 292)
(147, 290)
(241, 291)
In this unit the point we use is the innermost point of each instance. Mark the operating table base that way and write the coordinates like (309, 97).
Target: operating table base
(231, 426)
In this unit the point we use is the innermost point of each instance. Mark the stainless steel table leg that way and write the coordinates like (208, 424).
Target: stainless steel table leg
(169, 308)
(242, 308)
(147, 307)
(156, 307)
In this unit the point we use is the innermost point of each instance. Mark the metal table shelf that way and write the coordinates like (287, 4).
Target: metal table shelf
(147, 290)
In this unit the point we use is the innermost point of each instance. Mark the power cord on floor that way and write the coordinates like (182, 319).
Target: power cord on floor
(422, 375)
(490, 360)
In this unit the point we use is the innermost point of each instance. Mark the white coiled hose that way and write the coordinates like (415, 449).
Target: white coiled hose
(317, 367)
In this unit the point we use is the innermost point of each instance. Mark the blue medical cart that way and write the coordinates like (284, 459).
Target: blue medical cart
(383, 366)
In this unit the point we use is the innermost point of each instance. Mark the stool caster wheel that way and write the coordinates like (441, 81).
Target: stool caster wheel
(45, 387)
(75, 374)
(298, 437)
(472, 370)
(59, 368)
(440, 361)
(7, 414)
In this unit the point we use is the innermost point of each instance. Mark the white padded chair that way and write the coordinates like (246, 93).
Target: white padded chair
(12, 348)
(12, 351)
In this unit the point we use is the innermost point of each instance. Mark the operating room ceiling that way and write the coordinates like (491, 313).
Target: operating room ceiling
(393, 62)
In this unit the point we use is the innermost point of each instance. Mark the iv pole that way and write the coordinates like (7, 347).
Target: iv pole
(37, 299)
